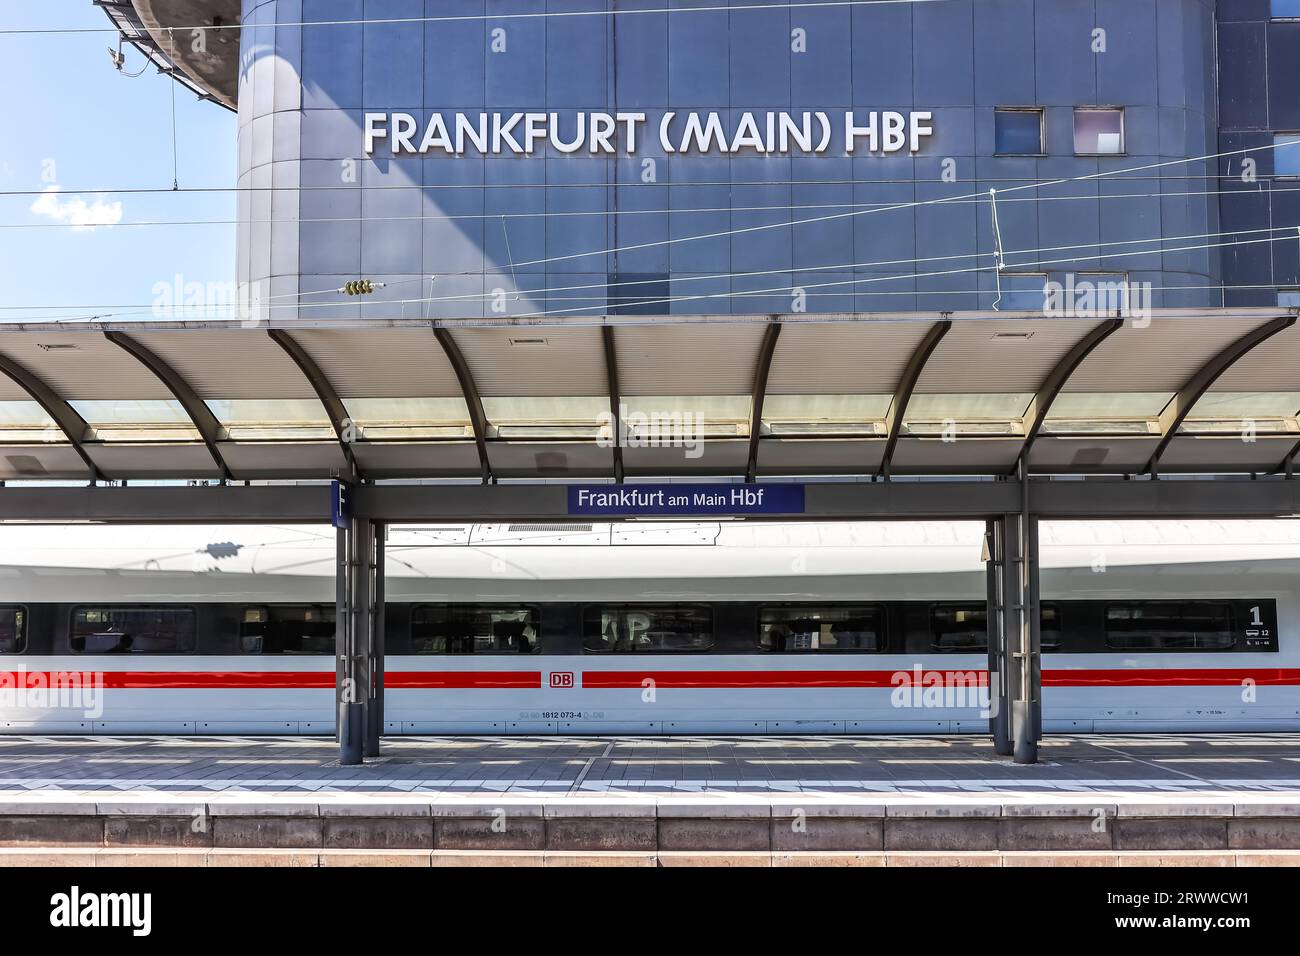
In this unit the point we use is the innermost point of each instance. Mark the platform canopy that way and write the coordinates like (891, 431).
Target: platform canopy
(1214, 392)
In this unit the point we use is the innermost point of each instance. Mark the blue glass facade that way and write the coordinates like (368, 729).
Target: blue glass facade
(1259, 103)
(715, 233)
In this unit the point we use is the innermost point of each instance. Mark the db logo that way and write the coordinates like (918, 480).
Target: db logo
(561, 678)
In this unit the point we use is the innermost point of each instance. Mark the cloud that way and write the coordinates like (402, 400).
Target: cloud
(75, 211)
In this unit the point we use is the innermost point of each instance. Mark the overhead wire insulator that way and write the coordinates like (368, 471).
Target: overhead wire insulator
(359, 287)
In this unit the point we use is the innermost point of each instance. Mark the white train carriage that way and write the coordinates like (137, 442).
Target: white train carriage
(646, 628)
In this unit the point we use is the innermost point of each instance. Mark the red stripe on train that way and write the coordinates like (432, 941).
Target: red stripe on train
(266, 680)
(606, 680)
(1147, 677)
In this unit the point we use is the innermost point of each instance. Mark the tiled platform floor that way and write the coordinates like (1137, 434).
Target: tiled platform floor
(1221, 766)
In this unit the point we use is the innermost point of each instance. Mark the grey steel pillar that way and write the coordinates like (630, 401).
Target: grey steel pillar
(1022, 658)
(375, 704)
(995, 552)
(354, 616)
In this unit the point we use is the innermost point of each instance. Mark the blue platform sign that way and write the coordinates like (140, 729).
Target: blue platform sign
(685, 500)
(340, 503)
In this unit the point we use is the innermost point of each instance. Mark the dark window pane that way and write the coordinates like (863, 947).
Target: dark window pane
(647, 629)
(811, 628)
(13, 630)
(1018, 132)
(303, 629)
(1098, 131)
(1158, 625)
(1049, 628)
(1286, 153)
(630, 293)
(471, 629)
(959, 628)
(132, 630)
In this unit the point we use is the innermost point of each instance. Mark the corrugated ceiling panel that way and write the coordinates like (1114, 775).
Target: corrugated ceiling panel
(231, 364)
(82, 365)
(690, 359)
(846, 358)
(510, 362)
(1271, 366)
(982, 356)
(1160, 357)
(381, 363)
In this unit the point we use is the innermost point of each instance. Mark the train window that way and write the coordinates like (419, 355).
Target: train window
(13, 630)
(812, 628)
(132, 630)
(473, 629)
(1166, 626)
(963, 628)
(1049, 627)
(299, 629)
(647, 629)
(959, 628)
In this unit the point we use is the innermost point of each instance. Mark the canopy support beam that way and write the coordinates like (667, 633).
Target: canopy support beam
(478, 420)
(903, 394)
(340, 421)
(1180, 406)
(761, 370)
(204, 421)
(72, 425)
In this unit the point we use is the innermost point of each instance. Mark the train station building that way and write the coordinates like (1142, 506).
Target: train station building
(1000, 262)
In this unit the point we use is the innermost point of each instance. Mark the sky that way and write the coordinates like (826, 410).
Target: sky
(72, 121)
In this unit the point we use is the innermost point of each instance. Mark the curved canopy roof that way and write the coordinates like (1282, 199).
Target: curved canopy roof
(1183, 391)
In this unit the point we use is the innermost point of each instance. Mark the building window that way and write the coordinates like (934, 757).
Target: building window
(1018, 132)
(1286, 154)
(132, 630)
(1166, 626)
(13, 630)
(812, 628)
(647, 629)
(474, 629)
(304, 629)
(1022, 292)
(1288, 298)
(1285, 9)
(1098, 131)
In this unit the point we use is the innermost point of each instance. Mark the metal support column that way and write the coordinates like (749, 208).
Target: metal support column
(375, 705)
(996, 618)
(354, 616)
(1023, 648)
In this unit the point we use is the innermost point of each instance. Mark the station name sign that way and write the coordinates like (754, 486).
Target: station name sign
(773, 133)
(685, 500)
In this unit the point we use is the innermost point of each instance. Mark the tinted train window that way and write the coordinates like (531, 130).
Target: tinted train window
(1049, 628)
(959, 628)
(468, 629)
(305, 629)
(13, 630)
(647, 629)
(963, 628)
(132, 630)
(822, 628)
(1166, 626)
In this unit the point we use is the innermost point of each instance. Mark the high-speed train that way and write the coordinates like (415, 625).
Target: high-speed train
(732, 627)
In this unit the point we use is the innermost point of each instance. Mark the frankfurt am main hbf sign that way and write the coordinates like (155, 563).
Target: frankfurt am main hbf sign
(685, 500)
(885, 131)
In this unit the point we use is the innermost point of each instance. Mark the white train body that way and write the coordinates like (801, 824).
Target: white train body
(50, 570)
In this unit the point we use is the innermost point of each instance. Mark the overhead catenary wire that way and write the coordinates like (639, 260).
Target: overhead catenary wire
(638, 184)
(493, 17)
(1026, 266)
(589, 213)
(855, 282)
(470, 297)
